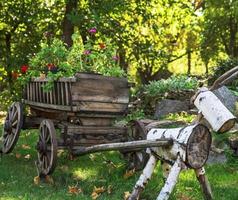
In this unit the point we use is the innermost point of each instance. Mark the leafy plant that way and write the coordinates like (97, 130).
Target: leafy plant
(222, 67)
(54, 60)
(172, 84)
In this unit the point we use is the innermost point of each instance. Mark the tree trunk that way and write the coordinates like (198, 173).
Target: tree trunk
(189, 61)
(68, 27)
(8, 55)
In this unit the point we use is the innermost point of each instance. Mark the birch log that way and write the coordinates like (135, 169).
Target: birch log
(219, 117)
(192, 143)
(171, 180)
(144, 178)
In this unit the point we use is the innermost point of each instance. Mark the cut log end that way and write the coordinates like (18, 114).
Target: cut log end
(227, 126)
(198, 147)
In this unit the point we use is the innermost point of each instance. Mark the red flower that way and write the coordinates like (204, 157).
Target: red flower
(15, 75)
(24, 69)
(50, 66)
(102, 45)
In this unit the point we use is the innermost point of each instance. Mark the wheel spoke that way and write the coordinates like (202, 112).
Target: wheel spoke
(15, 114)
(14, 123)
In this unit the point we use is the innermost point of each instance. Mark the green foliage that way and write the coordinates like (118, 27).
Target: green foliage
(172, 84)
(55, 61)
(223, 66)
(99, 57)
(183, 116)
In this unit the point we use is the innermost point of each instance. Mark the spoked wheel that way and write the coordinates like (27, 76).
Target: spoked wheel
(138, 158)
(12, 127)
(47, 148)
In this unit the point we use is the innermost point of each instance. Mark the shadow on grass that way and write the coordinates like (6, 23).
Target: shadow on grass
(17, 172)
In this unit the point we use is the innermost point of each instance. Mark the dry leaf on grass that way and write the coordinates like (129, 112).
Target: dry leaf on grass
(25, 146)
(97, 191)
(183, 197)
(49, 179)
(74, 190)
(126, 195)
(18, 155)
(27, 156)
(37, 180)
(129, 174)
(109, 189)
(64, 168)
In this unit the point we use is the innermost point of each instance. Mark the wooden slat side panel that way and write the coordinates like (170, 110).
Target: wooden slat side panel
(101, 107)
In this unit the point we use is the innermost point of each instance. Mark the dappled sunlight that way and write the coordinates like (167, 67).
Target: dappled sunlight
(83, 174)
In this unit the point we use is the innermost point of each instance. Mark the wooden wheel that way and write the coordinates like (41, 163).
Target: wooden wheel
(138, 158)
(12, 127)
(47, 148)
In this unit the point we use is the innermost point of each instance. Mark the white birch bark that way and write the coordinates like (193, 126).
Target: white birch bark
(171, 180)
(144, 178)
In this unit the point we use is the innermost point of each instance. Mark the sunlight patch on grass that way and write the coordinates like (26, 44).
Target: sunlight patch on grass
(83, 174)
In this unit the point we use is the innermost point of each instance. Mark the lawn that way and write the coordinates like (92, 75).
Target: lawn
(17, 172)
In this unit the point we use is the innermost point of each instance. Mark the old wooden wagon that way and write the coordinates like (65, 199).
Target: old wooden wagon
(83, 108)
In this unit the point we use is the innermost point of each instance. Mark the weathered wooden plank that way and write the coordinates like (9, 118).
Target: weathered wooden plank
(95, 130)
(92, 121)
(93, 76)
(100, 98)
(28, 91)
(100, 107)
(66, 93)
(62, 89)
(59, 101)
(63, 79)
(50, 106)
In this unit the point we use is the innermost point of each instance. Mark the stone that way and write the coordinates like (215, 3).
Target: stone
(227, 98)
(167, 106)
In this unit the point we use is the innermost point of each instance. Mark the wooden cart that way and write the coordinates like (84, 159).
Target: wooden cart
(83, 108)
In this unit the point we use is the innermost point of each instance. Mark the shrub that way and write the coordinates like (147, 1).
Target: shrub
(222, 67)
(172, 84)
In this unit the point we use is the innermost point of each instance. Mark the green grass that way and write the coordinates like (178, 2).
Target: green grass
(85, 172)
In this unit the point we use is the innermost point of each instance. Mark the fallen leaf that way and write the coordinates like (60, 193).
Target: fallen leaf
(95, 195)
(25, 146)
(183, 197)
(129, 173)
(74, 190)
(64, 168)
(97, 192)
(27, 156)
(36, 180)
(18, 155)
(99, 189)
(109, 189)
(126, 195)
(49, 179)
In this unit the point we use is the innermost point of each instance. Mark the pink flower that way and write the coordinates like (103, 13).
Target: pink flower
(92, 30)
(24, 69)
(86, 52)
(116, 58)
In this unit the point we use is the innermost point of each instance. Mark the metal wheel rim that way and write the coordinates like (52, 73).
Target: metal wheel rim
(12, 127)
(47, 148)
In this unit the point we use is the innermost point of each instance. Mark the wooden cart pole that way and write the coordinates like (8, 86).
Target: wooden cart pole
(205, 185)
(122, 146)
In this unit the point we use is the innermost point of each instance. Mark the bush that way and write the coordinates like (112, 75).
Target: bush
(175, 87)
(172, 84)
(222, 67)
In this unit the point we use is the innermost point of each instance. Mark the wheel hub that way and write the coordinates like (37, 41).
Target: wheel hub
(8, 126)
(41, 147)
